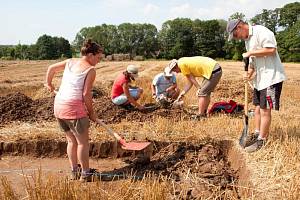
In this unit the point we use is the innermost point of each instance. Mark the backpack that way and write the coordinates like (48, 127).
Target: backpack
(226, 107)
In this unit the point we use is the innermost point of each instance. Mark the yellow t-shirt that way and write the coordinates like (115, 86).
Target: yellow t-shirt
(197, 66)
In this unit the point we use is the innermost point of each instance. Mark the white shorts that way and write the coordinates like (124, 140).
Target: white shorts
(123, 99)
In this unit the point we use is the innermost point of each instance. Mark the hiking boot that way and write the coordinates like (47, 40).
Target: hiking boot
(252, 139)
(75, 175)
(258, 144)
(91, 176)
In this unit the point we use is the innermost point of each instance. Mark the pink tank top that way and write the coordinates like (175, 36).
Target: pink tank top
(68, 103)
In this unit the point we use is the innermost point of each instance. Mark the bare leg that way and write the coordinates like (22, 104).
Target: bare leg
(257, 118)
(72, 149)
(265, 122)
(83, 149)
(203, 104)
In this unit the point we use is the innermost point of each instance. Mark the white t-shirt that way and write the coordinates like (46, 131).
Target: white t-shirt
(161, 83)
(269, 69)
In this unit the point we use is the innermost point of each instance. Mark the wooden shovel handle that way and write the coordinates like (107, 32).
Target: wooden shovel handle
(246, 65)
(109, 130)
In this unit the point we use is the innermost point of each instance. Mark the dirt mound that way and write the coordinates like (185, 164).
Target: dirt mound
(229, 89)
(202, 165)
(111, 113)
(19, 107)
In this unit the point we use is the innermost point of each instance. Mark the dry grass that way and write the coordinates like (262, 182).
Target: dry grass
(274, 170)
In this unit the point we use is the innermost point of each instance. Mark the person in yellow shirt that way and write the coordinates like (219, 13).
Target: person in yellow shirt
(197, 66)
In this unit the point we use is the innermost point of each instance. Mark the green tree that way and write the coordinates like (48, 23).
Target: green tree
(288, 42)
(46, 48)
(289, 14)
(268, 18)
(176, 38)
(209, 38)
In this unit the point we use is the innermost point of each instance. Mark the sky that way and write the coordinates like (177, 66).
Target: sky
(24, 21)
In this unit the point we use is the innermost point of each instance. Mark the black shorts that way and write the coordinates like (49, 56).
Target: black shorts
(268, 98)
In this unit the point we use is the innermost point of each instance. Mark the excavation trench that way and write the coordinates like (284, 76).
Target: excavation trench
(195, 169)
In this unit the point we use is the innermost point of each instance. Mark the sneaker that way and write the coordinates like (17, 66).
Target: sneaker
(258, 144)
(198, 116)
(128, 107)
(91, 176)
(252, 139)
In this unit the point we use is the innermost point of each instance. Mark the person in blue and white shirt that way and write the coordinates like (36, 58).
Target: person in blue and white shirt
(164, 86)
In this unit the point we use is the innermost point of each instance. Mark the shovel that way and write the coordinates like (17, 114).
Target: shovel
(134, 146)
(243, 137)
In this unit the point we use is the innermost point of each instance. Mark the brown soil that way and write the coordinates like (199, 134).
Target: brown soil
(19, 107)
(228, 89)
(200, 168)
(197, 170)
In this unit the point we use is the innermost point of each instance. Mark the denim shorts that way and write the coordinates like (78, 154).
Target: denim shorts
(123, 99)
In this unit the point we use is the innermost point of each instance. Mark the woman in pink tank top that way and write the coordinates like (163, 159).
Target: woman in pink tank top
(73, 105)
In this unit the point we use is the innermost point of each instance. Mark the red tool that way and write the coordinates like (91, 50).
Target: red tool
(134, 146)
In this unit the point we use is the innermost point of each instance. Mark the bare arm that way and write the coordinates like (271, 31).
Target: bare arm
(172, 87)
(153, 89)
(52, 69)
(129, 97)
(87, 94)
(186, 88)
(260, 52)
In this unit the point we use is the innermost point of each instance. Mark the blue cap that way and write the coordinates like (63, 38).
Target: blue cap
(231, 25)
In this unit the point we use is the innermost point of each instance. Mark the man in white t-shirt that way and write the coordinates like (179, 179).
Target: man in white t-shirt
(164, 87)
(266, 71)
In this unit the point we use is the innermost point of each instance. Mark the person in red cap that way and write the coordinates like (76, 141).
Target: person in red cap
(198, 66)
(266, 71)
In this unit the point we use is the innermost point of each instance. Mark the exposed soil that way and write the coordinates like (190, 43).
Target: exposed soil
(228, 89)
(197, 170)
(19, 107)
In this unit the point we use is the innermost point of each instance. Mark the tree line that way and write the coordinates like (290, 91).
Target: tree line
(177, 38)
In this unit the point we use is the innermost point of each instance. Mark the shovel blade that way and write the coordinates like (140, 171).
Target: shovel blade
(243, 138)
(135, 146)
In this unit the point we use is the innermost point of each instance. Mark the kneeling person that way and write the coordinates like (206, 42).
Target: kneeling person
(164, 88)
(122, 93)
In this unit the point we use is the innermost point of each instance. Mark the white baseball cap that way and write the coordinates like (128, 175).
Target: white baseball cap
(133, 70)
(170, 67)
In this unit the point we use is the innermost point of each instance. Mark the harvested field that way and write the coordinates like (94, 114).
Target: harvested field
(191, 160)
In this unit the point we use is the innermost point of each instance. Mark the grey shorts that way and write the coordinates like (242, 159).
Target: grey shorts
(268, 98)
(208, 85)
(78, 126)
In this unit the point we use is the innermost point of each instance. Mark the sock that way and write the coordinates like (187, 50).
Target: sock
(256, 131)
(74, 168)
(261, 138)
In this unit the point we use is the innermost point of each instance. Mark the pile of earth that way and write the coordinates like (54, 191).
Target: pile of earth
(19, 107)
(111, 113)
(227, 89)
(201, 169)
